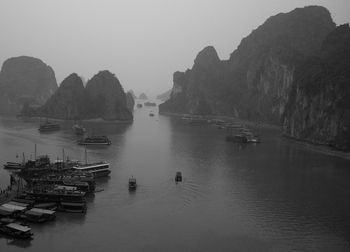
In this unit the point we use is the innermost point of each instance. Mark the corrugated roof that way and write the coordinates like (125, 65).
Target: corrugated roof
(43, 211)
(19, 227)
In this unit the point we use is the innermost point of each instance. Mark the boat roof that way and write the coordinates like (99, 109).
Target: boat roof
(52, 204)
(5, 211)
(18, 204)
(42, 211)
(33, 213)
(69, 188)
(19, 227)
(87, 166)
(14, 207)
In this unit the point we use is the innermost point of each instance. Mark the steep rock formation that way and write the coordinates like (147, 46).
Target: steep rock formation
(130, 102)
(25, 80)
(164, 96)
(198, 90)
(318, 109)
(256, 81)
(103, 97)
(69, 101)
(107, 97)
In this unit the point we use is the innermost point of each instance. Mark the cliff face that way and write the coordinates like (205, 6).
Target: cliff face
(108, 97)
(130, 102)
(25, 80)
(318, 109)
(256, 81)
(103, 97)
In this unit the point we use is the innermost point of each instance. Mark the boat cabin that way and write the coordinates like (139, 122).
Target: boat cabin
(178, 177)
(132, 183)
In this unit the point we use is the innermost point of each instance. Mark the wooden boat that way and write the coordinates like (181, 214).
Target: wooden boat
(39, 215)
(178, 177)
(49, 126)
(16, 230)
(72, 207)
(13, 166)
(132, 183)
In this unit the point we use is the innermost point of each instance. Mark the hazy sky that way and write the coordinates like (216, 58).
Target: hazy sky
(142, 41)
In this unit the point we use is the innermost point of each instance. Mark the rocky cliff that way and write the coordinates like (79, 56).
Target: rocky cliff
(164, 96)
(103, 97)
(130, 100)
(256, 81)
(318, 109)
(25, 80)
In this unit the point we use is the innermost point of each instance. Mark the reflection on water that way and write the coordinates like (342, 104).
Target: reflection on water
(273, 196)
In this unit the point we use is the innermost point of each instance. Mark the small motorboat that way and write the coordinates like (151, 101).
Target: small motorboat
(132, 183)
(178, 177)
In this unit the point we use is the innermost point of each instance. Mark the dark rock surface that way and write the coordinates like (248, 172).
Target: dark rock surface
(103, 97)
(318, 109)
(292, 70)
(25, 80)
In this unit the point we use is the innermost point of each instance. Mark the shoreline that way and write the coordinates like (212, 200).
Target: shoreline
(316, 147)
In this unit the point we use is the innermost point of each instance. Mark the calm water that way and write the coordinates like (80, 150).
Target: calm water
(275, 196)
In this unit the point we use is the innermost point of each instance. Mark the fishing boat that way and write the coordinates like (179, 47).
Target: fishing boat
(16, 230)
(49, 126)
(95, 140)
(178, 177)
(132, 183)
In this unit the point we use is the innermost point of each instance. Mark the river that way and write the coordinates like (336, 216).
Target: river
(278, 195)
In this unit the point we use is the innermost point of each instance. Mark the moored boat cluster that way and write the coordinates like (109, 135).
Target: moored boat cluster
(44, 187)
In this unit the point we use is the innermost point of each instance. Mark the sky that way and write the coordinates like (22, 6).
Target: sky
(143, 42)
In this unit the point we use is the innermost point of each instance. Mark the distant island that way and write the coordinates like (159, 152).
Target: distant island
(291, 71)
(103, 97)
(143, 96)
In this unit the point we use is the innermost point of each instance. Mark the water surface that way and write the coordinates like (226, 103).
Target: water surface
(274, 196)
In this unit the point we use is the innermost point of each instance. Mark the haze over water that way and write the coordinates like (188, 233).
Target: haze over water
(275, 196)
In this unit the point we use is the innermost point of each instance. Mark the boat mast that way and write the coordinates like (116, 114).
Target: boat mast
(23, 158)
(35, 152)
(85, 156)
(63, 157)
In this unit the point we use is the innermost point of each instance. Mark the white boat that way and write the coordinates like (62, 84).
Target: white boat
(99, 169)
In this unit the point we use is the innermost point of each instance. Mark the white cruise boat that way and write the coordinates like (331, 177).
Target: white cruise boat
(100, 169)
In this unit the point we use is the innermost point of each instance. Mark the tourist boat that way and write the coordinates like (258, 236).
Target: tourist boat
(13, 166)
(49, 126)
(178, 177)
(139, 105)
(95, 140)
(38, 215)
(72, 207)
(151, 114)
(56, 193)
(78, 129)
(132, 183)
(16, 230)
(99, 169)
